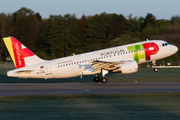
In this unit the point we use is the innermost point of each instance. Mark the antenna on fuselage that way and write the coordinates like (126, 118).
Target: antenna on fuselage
(147, 39)
(74, 54)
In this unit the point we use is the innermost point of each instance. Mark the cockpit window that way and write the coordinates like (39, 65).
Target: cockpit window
(165, 44)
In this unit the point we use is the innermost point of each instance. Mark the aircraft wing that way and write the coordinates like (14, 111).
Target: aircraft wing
(98, 65)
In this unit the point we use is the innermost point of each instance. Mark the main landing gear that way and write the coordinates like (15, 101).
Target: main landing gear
(98, 79)
(103, 79)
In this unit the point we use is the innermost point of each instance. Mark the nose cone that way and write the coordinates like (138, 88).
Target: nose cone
(174, 49)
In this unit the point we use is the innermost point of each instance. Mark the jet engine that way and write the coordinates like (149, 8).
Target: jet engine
(126, 68)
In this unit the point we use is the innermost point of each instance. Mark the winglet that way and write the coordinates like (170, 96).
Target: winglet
(20, 55)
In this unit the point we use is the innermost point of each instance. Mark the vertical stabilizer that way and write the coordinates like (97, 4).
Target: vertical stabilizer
(20, 55)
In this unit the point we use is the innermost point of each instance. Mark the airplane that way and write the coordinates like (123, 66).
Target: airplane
(122, 59)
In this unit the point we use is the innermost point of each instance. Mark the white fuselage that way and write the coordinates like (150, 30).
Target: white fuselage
(74, 65)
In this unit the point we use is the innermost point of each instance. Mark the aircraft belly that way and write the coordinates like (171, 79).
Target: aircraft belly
(66, 72)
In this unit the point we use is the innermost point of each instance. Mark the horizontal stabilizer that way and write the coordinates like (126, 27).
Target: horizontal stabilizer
(24, 72)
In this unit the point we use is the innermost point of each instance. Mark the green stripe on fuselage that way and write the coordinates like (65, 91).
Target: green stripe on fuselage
(138, 53)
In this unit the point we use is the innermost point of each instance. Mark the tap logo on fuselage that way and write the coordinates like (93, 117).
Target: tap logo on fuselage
(143, 51)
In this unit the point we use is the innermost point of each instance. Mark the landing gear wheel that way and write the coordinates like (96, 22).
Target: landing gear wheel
(104, 80)
(96, 79)
(155, 69)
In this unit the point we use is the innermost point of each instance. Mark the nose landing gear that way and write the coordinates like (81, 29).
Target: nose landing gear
(155, 69)
(154, 66)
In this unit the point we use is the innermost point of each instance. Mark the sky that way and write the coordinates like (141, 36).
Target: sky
(161, 9)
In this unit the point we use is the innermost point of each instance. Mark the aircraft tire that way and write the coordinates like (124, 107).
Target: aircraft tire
(155, 69)
(96, 79)
(104, 80)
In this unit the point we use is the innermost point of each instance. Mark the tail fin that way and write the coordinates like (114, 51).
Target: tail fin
(20, 55)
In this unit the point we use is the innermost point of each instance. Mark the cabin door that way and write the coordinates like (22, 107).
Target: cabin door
(48, 69)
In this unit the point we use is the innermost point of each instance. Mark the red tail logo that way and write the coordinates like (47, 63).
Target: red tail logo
(20, 52)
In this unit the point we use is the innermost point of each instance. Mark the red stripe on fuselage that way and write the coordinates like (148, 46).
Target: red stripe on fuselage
(150, 49)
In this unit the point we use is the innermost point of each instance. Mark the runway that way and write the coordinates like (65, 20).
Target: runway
(24, 89)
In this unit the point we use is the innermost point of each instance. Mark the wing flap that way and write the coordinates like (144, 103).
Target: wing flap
(98, 65)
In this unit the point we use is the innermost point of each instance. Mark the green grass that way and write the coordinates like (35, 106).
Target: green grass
(143, 75)
(148, 75)
(140, 106)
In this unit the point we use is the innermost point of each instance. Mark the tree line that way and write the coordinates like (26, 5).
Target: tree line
(62, 35)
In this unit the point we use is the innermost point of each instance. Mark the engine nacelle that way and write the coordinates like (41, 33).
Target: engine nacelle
(126, 68)
(129, 67)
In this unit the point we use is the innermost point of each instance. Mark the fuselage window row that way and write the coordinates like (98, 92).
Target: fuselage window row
(101, 57)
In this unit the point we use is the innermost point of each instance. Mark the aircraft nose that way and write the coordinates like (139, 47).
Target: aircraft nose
(174, 49)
